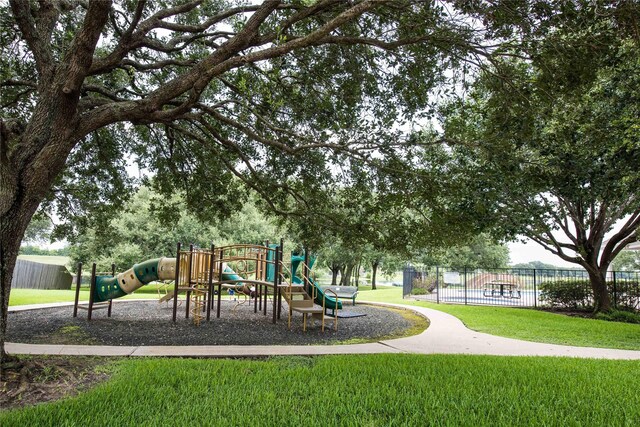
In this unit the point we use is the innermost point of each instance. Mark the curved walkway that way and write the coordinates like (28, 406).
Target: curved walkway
(446, 335)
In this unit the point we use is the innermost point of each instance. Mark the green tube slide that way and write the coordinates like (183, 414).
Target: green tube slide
(112, 287)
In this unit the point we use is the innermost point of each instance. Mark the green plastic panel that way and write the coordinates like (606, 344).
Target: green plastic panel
(270, 268)
(147, 271)
(107, 288)
(229, 274)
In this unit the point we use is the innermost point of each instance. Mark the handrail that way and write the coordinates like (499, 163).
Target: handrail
(335, 313)
(281, 272)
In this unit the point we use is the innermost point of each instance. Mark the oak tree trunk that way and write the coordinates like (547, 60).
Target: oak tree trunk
(12, 227)
(374, 272)
(335, 269)
(601, 298)
(346, 277)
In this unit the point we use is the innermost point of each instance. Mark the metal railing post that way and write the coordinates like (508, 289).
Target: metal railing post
(615, 290)
(535, 289)
(465, 286)
(437, 285)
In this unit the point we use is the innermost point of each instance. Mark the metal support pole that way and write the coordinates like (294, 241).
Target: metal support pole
(189, 268)
(78, 282)
(176, 283)
(219, 283)
(265, 288)
(92, 288)
(276, 275)
(212, 259)
(305, 273)
(113, 273)
(280, 279)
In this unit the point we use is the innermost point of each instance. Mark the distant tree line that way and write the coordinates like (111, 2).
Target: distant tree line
(36, 250)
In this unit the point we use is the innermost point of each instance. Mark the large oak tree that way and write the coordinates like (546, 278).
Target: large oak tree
(546, 144)
(206, 95)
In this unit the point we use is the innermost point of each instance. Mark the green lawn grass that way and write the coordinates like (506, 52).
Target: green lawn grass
(367, 390)
(536, 325)
(42, 296)
(527, 324)
(46, 259)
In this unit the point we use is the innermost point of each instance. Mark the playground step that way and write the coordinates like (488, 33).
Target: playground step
(301, 304)
(297, 298)
(308, 310)
(294, 293)
(300, 292)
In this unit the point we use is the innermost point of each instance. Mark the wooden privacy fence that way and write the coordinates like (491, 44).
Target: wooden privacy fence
(35, 275)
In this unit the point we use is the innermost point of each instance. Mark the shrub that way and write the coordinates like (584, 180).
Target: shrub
(433, 284)
(627, 294)
(575, 294)
(419, 291)
(619, 316)
(423, 286)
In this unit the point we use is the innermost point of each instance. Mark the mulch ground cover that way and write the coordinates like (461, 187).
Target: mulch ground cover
(136, 323)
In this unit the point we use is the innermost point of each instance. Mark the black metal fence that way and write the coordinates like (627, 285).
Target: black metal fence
(518, 287)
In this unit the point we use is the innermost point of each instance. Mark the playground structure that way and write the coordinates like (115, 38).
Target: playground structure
(256, 271)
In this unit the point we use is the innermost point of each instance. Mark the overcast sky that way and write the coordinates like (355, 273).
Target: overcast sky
(530, 251)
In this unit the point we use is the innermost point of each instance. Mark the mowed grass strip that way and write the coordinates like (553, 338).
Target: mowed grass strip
(42, 296)
(541, 326)
(528, 324)
(372, 390)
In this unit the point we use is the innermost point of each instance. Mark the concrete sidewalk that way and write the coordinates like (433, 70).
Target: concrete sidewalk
(446, 335)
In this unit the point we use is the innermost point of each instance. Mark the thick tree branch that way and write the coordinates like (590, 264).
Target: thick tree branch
(80, 54)
(627, 234)
(219, 62)
(38, 45)
(550, 246)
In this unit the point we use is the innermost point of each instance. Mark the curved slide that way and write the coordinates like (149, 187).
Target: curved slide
(330, 302)
(112, 287)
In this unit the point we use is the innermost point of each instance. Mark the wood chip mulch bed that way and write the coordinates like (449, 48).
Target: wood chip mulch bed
(136, 323)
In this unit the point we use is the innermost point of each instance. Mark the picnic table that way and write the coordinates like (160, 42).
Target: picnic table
(498, 288)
